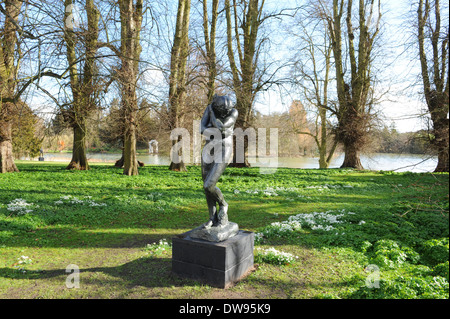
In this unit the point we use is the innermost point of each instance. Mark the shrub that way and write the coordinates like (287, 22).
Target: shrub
(401, 288)
(435, 251)
(441, 270)
(388, 254)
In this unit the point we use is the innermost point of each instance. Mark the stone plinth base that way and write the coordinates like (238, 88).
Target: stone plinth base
(219, 264)
(213, 233)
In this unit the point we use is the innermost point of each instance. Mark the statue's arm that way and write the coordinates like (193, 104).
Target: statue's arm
(214, 120)
(231, 119)
(205, 122)
(228, 122)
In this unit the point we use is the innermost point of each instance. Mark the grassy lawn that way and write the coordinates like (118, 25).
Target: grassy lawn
(320, 233)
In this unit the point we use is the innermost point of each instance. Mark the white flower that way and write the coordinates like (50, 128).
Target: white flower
(20, 206)
(277, 256)
(75, 200)
(92, 204)
(24, 260)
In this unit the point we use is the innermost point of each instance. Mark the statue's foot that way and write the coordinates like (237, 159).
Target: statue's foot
(208, 224)
(222, 215)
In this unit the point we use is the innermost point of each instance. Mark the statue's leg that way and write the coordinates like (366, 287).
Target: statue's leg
(227, 149)
(210, 200)
(214, 194)
(212, 211)
(211, 173)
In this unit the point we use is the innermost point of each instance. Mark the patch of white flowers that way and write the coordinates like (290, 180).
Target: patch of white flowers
(21, 261)
(69, 199)
(328, 186)
(273, 256)
(24, 260)
(324, 221)
(20, 206)
(160, 248)
(153, 196)
(268, 191)
(277, 191)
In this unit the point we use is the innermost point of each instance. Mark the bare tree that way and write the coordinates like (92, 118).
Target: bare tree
(312, 70)
(210, 45)
(8, 80)
(433, 39)
(354, 90)
(12, 84)
(177, 79)
(81, 83)
(243, 22)
(130, 50)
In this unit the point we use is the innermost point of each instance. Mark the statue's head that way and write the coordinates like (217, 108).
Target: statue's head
(222, 105)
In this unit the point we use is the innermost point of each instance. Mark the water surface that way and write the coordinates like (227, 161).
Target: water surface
(377, 161)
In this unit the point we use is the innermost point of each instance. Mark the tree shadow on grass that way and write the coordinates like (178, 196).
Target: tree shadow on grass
(146, 272)
(59, 237)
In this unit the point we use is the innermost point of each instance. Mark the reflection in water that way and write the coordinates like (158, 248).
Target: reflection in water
(386, 162)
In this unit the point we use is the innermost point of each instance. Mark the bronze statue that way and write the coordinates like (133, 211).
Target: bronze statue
(217, 125)
(218, 120)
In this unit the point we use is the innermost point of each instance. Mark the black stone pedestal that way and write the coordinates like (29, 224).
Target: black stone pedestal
(217, 264)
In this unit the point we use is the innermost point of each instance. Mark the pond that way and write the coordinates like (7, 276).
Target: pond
(378, 161)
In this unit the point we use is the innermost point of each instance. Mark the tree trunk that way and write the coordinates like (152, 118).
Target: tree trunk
(351, 159)
(177, 80)
(234, 162)
(443, 160)
(130, 50)
(178, 165)
(79, 159)
(82, 85)
(433, 47)
(245, 35)
(9, 65)
(129, 105)
(323, 158)
(441, 141)
(210, 44)
(130, 165)
(354, 112)
(119, 162)
(7, 164)
(323, 163)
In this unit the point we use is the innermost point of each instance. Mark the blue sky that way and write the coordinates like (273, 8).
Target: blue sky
(402, 106)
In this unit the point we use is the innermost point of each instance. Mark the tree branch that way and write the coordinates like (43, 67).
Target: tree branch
(31, 80)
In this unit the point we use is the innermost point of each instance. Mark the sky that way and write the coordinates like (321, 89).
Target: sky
(401, 107)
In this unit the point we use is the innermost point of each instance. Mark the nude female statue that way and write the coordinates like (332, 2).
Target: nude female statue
(220, 117)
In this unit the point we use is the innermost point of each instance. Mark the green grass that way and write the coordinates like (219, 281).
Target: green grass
(109, 225)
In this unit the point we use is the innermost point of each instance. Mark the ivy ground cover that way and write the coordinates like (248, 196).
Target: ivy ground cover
(319, 233)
